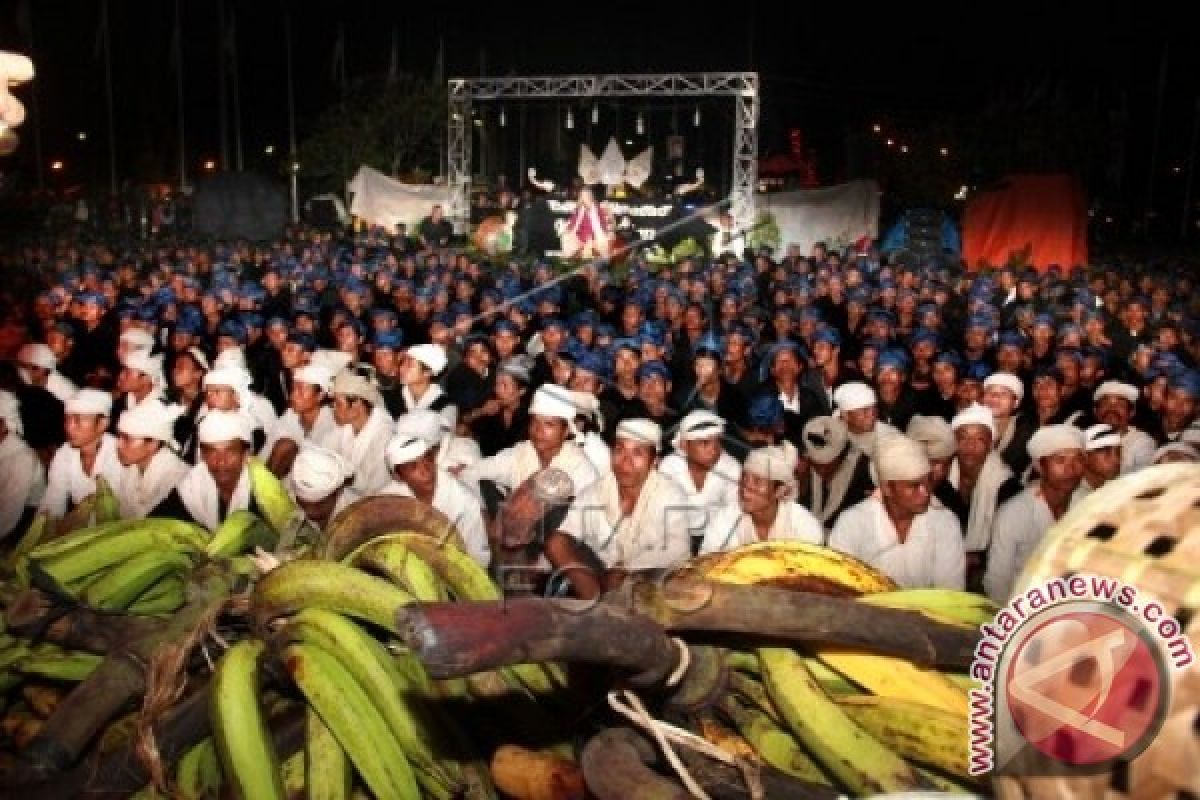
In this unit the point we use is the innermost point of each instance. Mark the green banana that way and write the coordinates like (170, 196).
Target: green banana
(124, 583)
(303, 583)
(116, 549)
(856, 759)
(198, 773)
(165, 597)
(396, 561)
(67, 666)
(466, 579)
(13, 653)
(240, 533)
(774, 745)
(270, 495)
(914, 730)
(754, 693)
(374, 669)
(944, 605)
(962, 680)
(833, 682)
(295, 782)
(38, 528)
(742, 661)
(360, 729)
(248, 759)
(108, 507)
(327, 771)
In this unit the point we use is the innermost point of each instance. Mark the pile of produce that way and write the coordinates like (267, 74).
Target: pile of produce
(149, 658)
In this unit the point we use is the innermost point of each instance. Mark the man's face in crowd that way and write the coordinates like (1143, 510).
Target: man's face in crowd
(862, 420)
(823, 354)
(134, 449)
(131, 381)
(221, 398)
(508, 390)
(1104, 462)
(756, 493)
(420, 474)
(1008, 359)
(626, 363)
(1047, 392)
(59, 344)
(84, 429)
(632, 462)
(972, 443)
(703, 453)
(1114, 411)
(293, 356)
(305, 398)
(1001, 401)
(547, 434)
(653, 390)
(1063, 470)
(1179, 408)
(890, 379)
(908, 498)
(786, 366)
(225, 460)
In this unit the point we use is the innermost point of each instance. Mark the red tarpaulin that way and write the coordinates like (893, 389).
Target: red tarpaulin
(1043, 216)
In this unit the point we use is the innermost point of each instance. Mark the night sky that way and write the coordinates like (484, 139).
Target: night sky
(830, 78)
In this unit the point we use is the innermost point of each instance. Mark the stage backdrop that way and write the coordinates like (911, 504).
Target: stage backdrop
(1035, 219)
(837, 215)
(384, 201)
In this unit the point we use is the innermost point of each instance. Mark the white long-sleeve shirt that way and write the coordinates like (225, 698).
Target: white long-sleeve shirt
(1137, 450)
(365, 451)
(462, 509)
(140, 492)
(931, 556)
(657, 534)
(1019, 527)
(22, 481)
(730, 528)
(720, 489)
(66, 482)
(514, 465)
(324, 431)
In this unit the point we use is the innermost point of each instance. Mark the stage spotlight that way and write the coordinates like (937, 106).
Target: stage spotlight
(570, 120)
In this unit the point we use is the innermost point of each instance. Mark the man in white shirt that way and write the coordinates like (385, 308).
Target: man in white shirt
(89, 452)
(38, 367)
(896, 531)
(700, 464)
(412, 458)
(365, 430)
(150, 468)
(22, 477)
(857, 406)
(632, 518)
(308, 419)
(219, 484)
(1115, 403)
(227, 388)
(422, 365)
(1057, 452)
(766, 509)
(551, 443)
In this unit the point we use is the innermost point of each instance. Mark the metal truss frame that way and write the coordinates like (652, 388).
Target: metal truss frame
(741, 86)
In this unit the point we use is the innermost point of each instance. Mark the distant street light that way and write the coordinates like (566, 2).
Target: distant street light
(903, 148)
(82, 136)
(877, 128)
(945, 151)
(210, 165)
(891, 142)
(56, 166)
(269, 149)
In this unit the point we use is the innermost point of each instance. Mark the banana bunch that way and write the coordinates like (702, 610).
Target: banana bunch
(859, 721)
(31, 676)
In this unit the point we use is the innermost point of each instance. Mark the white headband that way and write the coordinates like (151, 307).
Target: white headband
(317, 473)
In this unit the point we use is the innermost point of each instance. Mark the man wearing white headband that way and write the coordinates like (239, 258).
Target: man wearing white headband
(22, 477)
(365, 429)
(38, 367)
(90, 451)
(700, 464)
(857, 405)
(227, 388)
(309, 419)
(839, 473)
(1020, 524)
(982, 482)
(132, 341)
(1102, 459)
(219, 484)
(150, 468)
(896, 530)
(766, 507)
(1115, 404)
(419, 373)
(1002, 394)
(412, 456)
(632, 518)
(318, 482)
(140, 379)
(551, 443)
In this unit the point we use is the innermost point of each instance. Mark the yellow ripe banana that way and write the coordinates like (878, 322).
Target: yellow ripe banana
(108, 507)
(369, 663)
(793, 565)
(198, 773)
(248, 759)
(270, 494)
(396, 561)
(774, 745)
(844, 750)
(305, 583)
(240, 533)
(943, 605)
(124, 583)
(891, 676)
(346, 708)
(327, 771)
(70, 667)
(165, 597)
(916, 731)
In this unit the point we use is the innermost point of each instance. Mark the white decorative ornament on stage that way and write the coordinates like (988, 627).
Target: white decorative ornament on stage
(611, 169)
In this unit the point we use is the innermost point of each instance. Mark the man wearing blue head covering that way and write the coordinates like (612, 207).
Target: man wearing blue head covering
(1181, 404)
(654, 382)
(706, 388)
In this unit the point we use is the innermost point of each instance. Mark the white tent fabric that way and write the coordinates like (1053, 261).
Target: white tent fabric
(838, 215)
(384, 201)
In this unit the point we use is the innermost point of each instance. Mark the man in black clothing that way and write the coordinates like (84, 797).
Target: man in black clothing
(435, 230)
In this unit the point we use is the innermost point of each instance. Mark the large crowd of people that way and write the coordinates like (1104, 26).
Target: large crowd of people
(932, 421)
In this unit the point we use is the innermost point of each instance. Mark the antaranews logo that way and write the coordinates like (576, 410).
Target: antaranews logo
(1074, 676)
